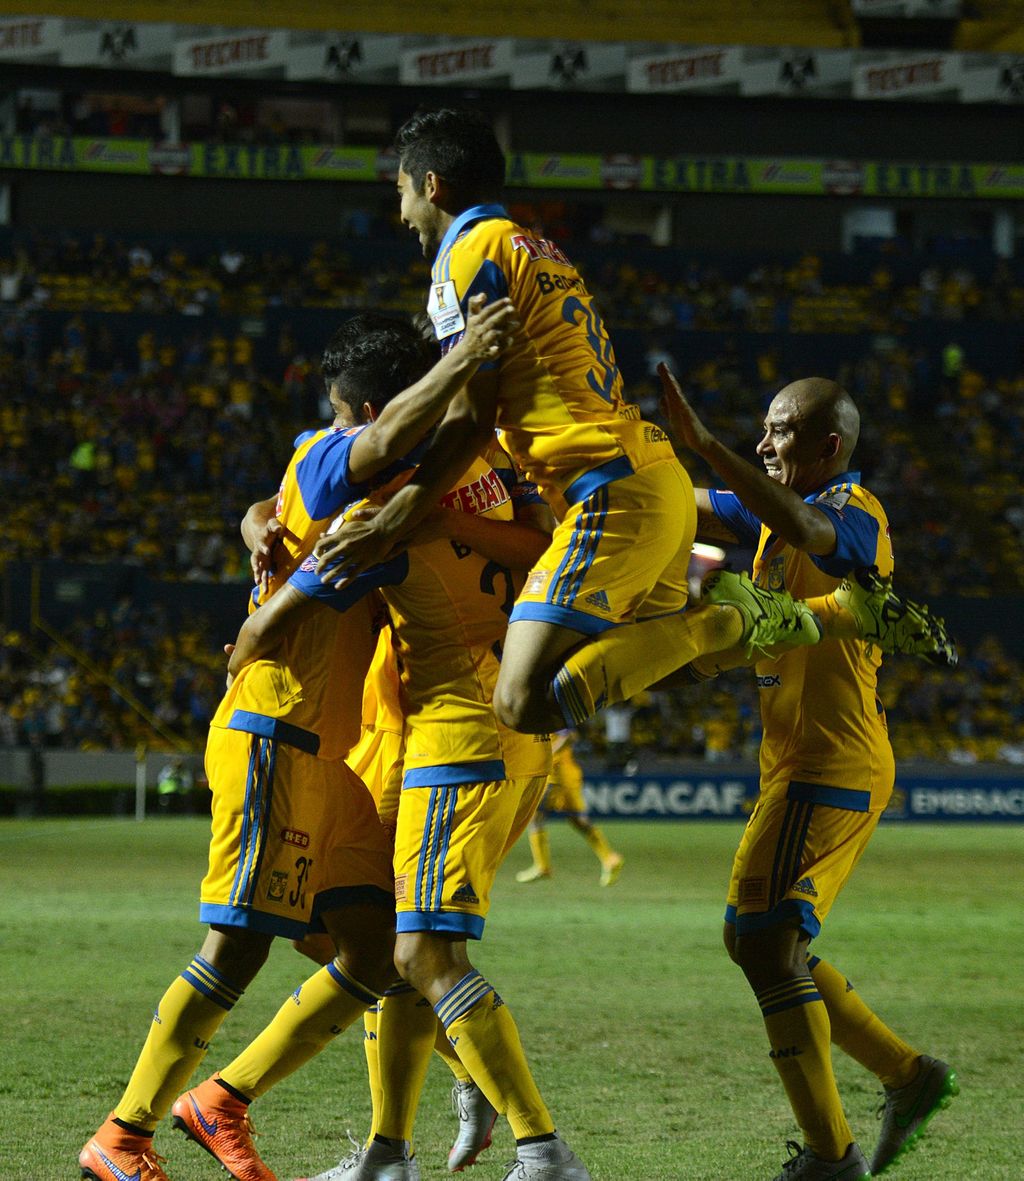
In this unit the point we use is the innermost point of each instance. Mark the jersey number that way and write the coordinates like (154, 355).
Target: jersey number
(601, 379)
(488, 576)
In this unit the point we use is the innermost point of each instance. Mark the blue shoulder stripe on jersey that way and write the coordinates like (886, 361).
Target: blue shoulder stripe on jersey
(447, 774)
(598, 477)
(735, 515)
(322, 475)
(307, 582)
(276, 728)
(848, 798)
(440, 271)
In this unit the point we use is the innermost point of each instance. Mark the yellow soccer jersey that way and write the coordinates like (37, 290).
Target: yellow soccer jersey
(825, 736)
(310, 694)
(449, 614)
(561, 410)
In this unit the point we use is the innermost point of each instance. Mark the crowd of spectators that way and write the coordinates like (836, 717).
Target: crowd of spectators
(142, 438)
(116, 680)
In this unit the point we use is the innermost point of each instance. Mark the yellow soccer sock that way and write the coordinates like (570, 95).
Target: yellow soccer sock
(617, 664)
(444, 1050)
(406, 1035)
(798, 1031)
(310, 1018)
(189, 1014)
(485, 1037)
(371, 1021)
(596, 839)
(857, 1031)
(540, 847)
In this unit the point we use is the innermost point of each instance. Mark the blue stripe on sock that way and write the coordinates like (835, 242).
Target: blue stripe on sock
(350, 986)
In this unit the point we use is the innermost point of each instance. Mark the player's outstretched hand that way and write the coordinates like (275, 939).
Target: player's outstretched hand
(683, 424)
(490, 327)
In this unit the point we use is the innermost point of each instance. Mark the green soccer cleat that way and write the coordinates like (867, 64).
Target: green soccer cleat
(533, 873)
(804, 1165)
(771, 619)
(892, 624)
(907, 1111)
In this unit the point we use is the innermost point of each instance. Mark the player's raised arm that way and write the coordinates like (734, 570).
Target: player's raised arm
(409, 416)
(780, 507)
(358, 545)
(263, 629)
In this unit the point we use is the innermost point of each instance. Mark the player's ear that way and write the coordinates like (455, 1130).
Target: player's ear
(369, 413)
(833, 445)
(433, 187)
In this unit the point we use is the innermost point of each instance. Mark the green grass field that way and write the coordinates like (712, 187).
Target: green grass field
(643, 1037)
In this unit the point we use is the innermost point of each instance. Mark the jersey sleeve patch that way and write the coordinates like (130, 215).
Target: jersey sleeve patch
(856, 538)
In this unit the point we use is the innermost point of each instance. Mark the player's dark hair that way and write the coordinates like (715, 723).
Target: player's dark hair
(460, 147)
(372, 358)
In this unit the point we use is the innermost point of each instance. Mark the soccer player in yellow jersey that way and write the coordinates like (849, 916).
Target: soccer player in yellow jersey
(827, 769)
(296, 838)
(601, 614)
(564, 797)
(469, 788)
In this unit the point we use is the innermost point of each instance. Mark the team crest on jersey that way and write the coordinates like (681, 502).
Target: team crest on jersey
(278, 885)
(777, 573)
(444, 311)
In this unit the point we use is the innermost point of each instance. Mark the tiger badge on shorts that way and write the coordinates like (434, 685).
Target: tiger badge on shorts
(278, 885)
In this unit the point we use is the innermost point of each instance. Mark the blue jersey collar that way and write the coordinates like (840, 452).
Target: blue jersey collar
(850, 477)
(466, 219)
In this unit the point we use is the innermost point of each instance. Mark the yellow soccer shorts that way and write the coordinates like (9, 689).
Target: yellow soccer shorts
(450, 842)
(377, 758)
(619, 554)
(292, 836)
(793, 859)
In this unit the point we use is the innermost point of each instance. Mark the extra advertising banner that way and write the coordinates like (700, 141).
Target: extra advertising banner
(769, 175)
(714, 793)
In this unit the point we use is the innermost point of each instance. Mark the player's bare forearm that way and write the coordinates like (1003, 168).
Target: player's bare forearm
(784, 511)
(512, 543)
(358, 545)
(409, 416)
(264, 629)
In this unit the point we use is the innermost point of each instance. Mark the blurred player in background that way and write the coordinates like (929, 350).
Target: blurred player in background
(601, 615)
(827, 767)
(282, 862)
(564, 797)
